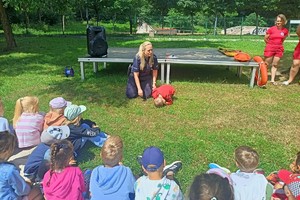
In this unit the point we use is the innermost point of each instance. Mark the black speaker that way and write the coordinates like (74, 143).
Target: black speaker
(96, 41)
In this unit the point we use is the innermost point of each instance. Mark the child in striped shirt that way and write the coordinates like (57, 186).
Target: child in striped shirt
(28, 122)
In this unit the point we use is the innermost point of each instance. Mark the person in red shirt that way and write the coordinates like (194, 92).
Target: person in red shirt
(274, 49)
(163, 95)
(296, 61)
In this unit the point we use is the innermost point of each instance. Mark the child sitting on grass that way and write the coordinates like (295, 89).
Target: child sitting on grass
(155, 185)
(4, 125)
(55, 117)
(82, 130)
(163, 95)
(63, 181)
(112, 180)
(12, 185)
(28, 122)
(291, 180)
(214, 184)
(247, 184)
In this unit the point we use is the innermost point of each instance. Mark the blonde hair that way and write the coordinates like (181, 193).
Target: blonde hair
(7, 145)
(1, 108)
(29, 104)
(246, 158)
(159, 101)
(141, 54)
(75, 121)
(282, 17)
(58, 110)
(112, 151)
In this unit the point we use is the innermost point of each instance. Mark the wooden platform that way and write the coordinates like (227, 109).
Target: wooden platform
(168, 56)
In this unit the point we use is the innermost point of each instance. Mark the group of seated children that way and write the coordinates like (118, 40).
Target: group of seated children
(61, 133)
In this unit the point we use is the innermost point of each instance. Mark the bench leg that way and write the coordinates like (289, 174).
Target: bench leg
(253, 69)
(239, 71)
(95, 67)
(104, 65)
(162, 72)
(168, 73)
(82, 70)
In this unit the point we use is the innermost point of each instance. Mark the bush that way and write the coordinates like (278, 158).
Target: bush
(250, 20)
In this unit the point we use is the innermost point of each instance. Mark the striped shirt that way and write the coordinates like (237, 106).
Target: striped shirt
(29, 128)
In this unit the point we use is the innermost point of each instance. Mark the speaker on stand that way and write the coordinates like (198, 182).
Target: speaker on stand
(96, 41)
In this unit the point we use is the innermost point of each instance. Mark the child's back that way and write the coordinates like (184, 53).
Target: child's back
(164, 188)
(249, 186)
(155, 185)
(112, 180)
(65, 185)
(112, 183)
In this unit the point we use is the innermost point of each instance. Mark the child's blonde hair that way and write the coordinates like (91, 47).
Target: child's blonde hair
(159, 101)
(7, 145)
(246, 158)
(75, 121)
(61, 155)
(58, 110)
(29, 104)
(1, 108)
(112, 151)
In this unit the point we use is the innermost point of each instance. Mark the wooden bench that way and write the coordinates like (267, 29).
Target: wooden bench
(168, 62)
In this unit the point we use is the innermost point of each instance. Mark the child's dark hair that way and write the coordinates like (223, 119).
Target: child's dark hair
(210, 186)
(61, 154)
(7, 145)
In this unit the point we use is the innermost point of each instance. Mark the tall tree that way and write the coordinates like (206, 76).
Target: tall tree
(190, 8)
(8, 34)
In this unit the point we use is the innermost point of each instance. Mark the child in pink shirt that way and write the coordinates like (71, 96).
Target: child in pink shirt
(62, 181)
(163, 95)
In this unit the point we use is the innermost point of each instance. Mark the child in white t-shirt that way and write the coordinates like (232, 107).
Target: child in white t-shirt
(155, 185)
(247, 184)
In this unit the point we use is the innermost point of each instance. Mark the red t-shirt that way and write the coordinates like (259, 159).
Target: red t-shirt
(277, 36)
(166, 91)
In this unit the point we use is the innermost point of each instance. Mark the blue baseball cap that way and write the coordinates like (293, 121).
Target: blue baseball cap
(152, 158)
(73, 111)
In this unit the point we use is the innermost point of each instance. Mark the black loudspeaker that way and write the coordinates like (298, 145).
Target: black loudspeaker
(96, 41)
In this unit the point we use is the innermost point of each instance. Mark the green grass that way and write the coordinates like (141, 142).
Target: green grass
(213, 113)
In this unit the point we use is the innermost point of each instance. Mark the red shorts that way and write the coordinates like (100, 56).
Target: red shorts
(273, 51)
(296, 55)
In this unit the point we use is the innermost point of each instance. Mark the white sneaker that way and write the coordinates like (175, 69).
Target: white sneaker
(285, 83)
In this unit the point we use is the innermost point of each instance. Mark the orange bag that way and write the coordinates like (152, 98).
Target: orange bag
(242, 57)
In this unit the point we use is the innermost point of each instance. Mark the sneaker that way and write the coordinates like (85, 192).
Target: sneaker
(139, 159)
(214, 165)
(285, 83)
(173, 167)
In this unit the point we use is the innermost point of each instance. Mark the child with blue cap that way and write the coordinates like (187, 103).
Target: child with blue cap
(155, 185)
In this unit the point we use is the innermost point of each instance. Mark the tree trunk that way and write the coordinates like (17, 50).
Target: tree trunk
(63, 24)
(131, 25)
(8, 34)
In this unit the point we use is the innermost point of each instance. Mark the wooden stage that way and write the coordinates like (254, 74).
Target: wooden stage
(168, 56)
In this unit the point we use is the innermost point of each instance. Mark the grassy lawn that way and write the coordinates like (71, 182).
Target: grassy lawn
(214, 111)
